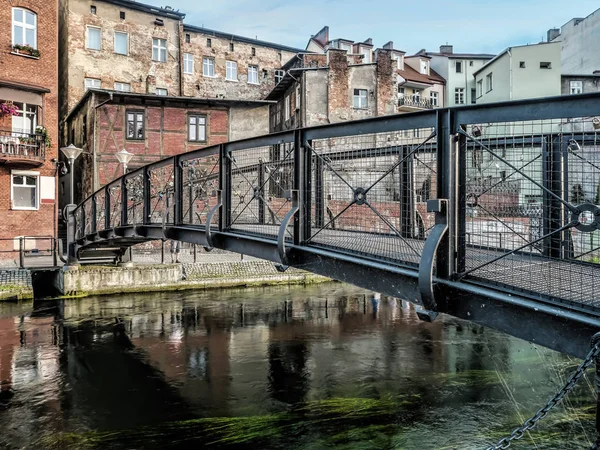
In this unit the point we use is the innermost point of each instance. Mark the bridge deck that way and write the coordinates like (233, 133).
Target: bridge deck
(566, 281)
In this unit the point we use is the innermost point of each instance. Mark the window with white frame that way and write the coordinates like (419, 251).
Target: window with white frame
(459, 96)
(360, 98)
(287, 107)
(94, 38)
(489, 82)
(401, 91)
(123, 87)
(416, 96)
(92, 83)
(121, 43)
(231, 70)
(24, 190)
(24, 27)
(159, 50)
(188, 63)
(279, 74)
(197, 128)
(433, 98)
(161, 91)
(576, 87)
(458, 66)
(253, 74)
(208, 67)
(26, 121)
(424, 67)
(479, 88)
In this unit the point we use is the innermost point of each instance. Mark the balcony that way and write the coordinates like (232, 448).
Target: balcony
(408, 104)
(24, 149)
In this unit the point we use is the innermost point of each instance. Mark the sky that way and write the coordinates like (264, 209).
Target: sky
(477, 26)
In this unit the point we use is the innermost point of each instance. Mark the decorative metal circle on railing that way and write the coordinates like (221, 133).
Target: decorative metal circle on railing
(360, 196)
(587, 217)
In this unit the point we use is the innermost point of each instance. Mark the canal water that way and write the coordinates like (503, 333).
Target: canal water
(322, 367)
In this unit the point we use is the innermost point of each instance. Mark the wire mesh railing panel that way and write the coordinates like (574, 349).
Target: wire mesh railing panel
(116, 200)
(135, 198)
(88, 210)
(531, 198)
(261, 182)
(162, 181)
(100, 198)
(369, 193)
(200, 188)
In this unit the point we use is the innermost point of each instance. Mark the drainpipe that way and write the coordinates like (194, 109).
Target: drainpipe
(510, 72)
(110, 99)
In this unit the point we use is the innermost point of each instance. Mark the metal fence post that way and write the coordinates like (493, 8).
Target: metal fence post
(123, 201)
(71, 235)
(54, 251)
(146, 189)
(21, 253)
(162, 252)
(307, 200)
(300, 185)
(195, 253)
(178, 191)
(106, 208)
(260, 193)
(94, 215)
(225, 185)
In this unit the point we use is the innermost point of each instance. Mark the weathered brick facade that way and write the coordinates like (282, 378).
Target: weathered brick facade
(30, 82)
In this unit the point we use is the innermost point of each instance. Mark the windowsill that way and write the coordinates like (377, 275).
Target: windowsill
(197, 142)
(489, 90)
(255, 84)
(24, 55)
(122, 54)
(136, 139)
(209, 76)
(188, 73)
(155, 61)
(360, 109)
(235, 81)
(14, 208)
(94, 49)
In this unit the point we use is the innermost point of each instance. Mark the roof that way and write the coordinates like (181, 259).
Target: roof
(152, 99)
(507, 49)
(287, 80)
(24, 86)
(156, 10)
(235, 37)
(410, 74)
(462, 55)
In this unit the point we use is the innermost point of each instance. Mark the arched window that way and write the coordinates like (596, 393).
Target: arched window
(24, 29)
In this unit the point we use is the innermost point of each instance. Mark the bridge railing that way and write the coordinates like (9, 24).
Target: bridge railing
(519, 181)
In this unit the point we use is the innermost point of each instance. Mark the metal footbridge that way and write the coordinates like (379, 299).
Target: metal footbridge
(484, 212)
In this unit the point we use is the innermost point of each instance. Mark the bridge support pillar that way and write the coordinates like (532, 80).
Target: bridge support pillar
(71, 233)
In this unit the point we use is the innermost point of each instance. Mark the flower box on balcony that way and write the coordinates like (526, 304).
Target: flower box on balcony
(26, 50)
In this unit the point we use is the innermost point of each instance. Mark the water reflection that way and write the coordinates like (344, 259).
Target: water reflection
(317, 367)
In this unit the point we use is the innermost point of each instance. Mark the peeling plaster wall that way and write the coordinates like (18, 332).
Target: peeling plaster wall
(246, 122)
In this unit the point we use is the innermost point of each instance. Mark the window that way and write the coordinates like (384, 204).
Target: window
(433, 98)
(196, 128)
(479, 88)
(26, 121)
(122, 15)
(253, 51)
(188, 63)
(187, 38)
(298, 98)
(400, 92)
(24, 190)
(208, 67)
(231, 46)
(279, 74)
(123, 87)
(159, 50)
(253, 74)
(161, 91)
(287, 107)
(458, 66)
(416, 96)
(545, 65)
(209, 42)
(473, 96)
(366, 55)
(470, 63)
(521, 64)
(93, 9)
(135, 125)
(360, 98)
(424, 67)
(92, 83)
(231, 70)
(489, 82)
(280, 56)
(576, 87)
(94, 38)
(24, 28)
(459, 96)
(121, 43)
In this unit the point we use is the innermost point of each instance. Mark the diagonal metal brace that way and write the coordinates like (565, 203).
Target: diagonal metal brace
(429, 257)
(283, 227)
(209, 220)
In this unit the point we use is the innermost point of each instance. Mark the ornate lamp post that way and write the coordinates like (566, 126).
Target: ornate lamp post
(72, 153)
(124, 157)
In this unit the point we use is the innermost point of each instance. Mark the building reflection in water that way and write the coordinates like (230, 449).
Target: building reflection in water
(125, 361)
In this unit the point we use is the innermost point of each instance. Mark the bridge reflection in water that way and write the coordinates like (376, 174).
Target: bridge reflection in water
(332, 366)
(485, 212)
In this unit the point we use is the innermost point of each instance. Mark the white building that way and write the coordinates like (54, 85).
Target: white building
(580, 42)
(457, 69)
(526, 71)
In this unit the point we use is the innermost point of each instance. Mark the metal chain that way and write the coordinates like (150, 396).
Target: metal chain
(519, 432)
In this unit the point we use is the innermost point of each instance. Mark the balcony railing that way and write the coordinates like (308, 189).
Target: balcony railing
(416, 103)
(18, 146)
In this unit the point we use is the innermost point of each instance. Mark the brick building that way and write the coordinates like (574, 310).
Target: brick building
(28, 122)
(345, 80)
(152, 128)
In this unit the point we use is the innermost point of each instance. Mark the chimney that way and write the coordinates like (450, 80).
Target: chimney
(596, 72)
(389, 46)
(446, 49)
(553, 33)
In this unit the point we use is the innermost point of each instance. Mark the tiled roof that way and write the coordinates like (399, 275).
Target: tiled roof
(411, 74)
